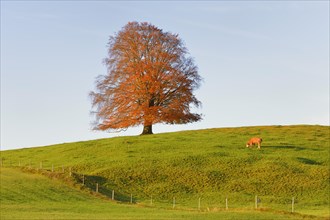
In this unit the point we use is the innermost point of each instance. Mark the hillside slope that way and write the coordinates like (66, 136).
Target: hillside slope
(33, 196)
(210, 164)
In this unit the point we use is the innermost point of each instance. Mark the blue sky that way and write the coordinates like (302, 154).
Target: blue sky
(263, 63)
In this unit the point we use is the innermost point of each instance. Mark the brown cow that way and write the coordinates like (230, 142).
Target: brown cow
(253, 141)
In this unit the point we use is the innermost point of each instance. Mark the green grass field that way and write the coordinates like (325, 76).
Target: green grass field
(207, 165)
(33, 196)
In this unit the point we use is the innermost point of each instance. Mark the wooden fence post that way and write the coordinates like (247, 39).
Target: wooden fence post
(131, 198)
(292, 205)
(226, 203)
(113, 195)
(256, 202)
(199, 203)
(173, 202)
(97, 188)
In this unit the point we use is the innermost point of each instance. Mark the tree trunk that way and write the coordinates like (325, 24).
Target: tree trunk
(147, 129)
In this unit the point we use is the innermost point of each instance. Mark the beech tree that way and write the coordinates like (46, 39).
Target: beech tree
(150, 79)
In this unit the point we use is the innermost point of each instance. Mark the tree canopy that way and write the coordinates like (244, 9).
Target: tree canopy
(150, 79)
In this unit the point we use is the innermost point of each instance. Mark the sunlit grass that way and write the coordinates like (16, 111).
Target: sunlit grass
(211, 164)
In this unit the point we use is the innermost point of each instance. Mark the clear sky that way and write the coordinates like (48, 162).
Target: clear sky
(263, 63)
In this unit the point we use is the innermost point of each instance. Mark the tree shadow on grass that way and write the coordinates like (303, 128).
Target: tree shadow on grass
(103, 185)
(291, 147)
(308, 161)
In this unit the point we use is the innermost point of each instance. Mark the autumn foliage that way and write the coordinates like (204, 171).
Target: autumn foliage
(150, 80)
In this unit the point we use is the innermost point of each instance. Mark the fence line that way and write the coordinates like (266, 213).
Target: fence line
(93, 184)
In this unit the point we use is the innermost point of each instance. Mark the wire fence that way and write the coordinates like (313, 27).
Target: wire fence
(98, 186)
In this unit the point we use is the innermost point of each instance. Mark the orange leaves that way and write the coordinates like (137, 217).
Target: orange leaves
(150, 80)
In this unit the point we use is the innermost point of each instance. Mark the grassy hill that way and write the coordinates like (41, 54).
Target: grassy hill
(34, 196)
(206, 165)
